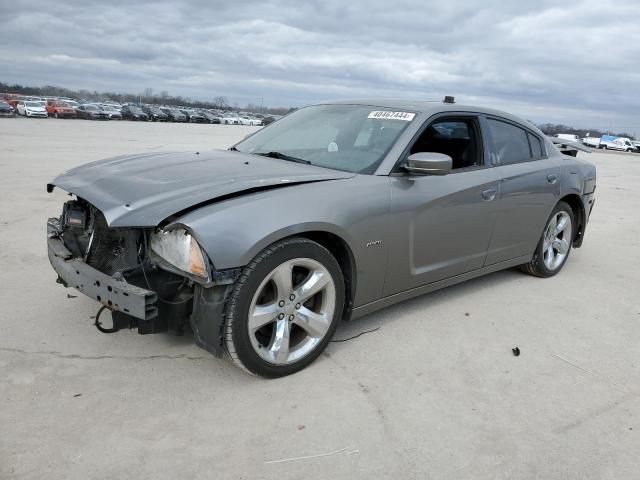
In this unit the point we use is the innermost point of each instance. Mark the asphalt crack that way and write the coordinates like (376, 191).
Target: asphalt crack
(75, 356)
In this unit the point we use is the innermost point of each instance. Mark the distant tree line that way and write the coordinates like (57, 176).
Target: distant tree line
(552, 128)
(148, 96)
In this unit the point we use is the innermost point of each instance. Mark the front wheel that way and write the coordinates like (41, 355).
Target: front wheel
(555, 245)
(284, 308)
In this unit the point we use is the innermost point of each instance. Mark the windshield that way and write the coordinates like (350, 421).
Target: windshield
(351, 138)
(32, 104)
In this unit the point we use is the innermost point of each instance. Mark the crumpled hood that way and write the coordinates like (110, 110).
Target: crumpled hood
(142, 190)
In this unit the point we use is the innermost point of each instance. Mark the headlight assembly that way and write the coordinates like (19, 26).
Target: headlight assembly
(181, 250)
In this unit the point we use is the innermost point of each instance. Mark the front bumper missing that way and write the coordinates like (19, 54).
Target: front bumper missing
(117, 295)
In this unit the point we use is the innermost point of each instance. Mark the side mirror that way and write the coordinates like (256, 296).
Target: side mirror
(429, 163)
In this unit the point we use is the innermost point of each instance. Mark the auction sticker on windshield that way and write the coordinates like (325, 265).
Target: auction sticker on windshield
(382, 114)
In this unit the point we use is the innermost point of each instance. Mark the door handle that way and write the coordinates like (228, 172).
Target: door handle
(489, 195)
(552, 178)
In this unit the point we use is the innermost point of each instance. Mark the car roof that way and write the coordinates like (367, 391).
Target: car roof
(428, 107)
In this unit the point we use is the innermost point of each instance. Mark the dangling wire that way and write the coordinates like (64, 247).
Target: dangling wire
(99, 325)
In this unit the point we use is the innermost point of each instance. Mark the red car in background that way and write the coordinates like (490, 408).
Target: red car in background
(60, 109)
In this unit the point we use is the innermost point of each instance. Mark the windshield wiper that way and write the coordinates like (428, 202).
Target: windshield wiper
(282, 156)
(233, 149)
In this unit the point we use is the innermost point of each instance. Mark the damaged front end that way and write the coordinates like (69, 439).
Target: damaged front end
(152, 280)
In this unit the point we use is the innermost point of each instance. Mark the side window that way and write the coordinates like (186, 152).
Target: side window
(536, 146)
(510, 142)
(456, 137)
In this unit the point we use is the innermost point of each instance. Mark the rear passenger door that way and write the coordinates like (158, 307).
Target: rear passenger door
(529, 188)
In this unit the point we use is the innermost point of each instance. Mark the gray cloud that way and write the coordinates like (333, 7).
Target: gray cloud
(573, 62)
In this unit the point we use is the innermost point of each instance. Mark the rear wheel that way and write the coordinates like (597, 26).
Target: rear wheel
(284, 308)
(555, 245)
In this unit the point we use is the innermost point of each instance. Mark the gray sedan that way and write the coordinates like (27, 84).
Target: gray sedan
(330, 213)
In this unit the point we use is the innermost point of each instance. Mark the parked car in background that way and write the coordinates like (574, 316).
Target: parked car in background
(89, 111)
(173, 238)
(210, 117)
(611, 142)
(132, 112)
(72, 103)
(231, 119)
(193, 116)
(246, 120)
(568, 136)
(30, 108)
(593, 142)
(174, 114)
(60, 109)
(268, 119)
(155, 114)
(6, 110)
(111, 110)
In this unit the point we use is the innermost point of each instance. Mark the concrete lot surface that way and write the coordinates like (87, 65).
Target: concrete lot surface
(434, 393)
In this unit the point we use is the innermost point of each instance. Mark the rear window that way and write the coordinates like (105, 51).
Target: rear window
(510, 143)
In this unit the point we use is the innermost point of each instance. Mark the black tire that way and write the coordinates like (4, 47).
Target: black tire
(236, 333)
(536, 266)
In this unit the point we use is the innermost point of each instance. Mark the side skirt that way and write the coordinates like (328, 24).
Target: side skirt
(432, 287)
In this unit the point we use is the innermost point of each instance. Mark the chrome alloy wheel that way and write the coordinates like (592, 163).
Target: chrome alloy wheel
(291, 311)
(557, 240)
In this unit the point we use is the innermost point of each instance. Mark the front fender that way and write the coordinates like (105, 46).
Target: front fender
(234, 231)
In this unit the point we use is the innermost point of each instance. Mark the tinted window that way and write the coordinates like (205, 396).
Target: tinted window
(510, 142)
(455, 138)
(536, 146)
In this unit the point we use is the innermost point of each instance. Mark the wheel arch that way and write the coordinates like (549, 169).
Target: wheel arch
(575, 202)
(330, 239)
(340, 249)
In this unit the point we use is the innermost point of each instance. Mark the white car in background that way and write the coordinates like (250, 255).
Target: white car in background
(250, 121)
(30, 108)
(230, 119)
(568, 136)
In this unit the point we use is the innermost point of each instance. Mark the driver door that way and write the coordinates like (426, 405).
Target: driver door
(442, 225)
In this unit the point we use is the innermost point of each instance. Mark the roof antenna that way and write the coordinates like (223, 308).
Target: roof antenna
(449, 99)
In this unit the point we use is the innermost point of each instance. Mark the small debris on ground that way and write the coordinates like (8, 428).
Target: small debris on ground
(71, 296)
(77, 395)
(516, 351)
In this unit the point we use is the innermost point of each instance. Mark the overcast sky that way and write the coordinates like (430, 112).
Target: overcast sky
(574, 62)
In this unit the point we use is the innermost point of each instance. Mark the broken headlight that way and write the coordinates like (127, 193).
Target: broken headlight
(181, 250)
